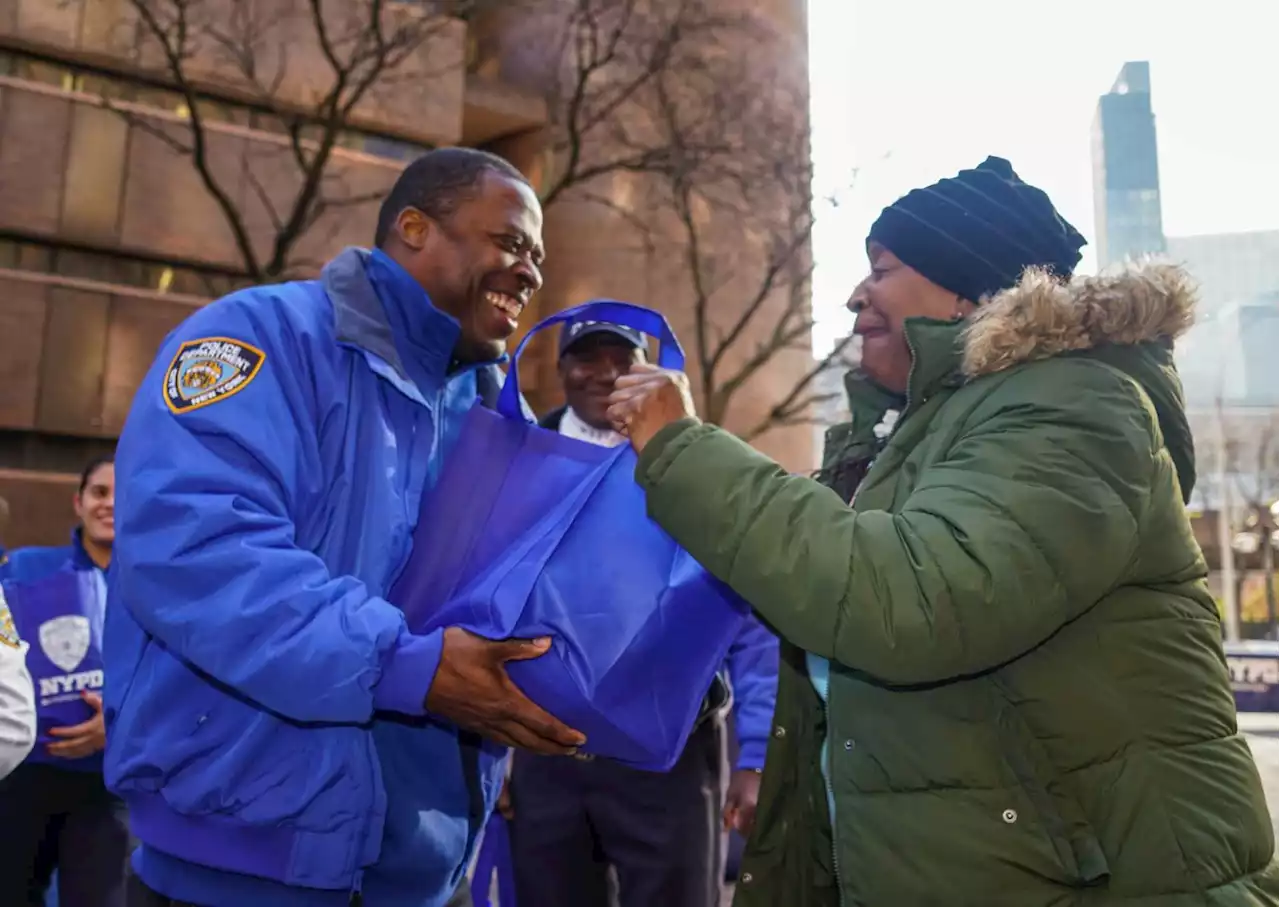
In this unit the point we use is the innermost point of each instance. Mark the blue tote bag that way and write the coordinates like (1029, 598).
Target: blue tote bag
(528, 533)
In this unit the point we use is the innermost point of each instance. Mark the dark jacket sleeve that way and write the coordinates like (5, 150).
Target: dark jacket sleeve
(1027, 521)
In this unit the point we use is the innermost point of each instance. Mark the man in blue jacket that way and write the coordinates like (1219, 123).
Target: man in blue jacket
(280, 736)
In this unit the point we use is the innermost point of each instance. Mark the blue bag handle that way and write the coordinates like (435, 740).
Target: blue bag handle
(627, 314)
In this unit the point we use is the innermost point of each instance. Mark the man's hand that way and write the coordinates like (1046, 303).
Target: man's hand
(472, 690)
(740, 804)
(647, 400)
(82, 739)
(505, 808)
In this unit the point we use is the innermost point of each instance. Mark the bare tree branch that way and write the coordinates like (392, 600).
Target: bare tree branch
(173, 40)
(674, 95)
(797, 406)
(612, 53)
(245, 45)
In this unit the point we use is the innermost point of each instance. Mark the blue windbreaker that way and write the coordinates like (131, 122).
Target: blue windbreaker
(264, 701)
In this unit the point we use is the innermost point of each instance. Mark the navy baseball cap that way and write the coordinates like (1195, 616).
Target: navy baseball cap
(576, 330)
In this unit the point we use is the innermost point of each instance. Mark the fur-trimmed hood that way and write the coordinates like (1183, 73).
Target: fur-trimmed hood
(1128, 320)
(1042, 317)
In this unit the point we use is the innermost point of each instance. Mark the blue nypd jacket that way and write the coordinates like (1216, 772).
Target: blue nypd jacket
(264, 700)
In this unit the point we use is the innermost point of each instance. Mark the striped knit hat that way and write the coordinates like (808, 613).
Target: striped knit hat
(975, 233)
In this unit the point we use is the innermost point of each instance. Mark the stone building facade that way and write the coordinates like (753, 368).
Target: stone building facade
(109, 237)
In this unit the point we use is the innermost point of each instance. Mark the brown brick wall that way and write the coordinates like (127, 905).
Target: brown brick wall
(75, 171)
(22, 317)
(288, 58)
(40, 509)
(72, 352)
(33, 154)
(72, 355)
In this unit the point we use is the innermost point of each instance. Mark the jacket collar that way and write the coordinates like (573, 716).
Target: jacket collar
(80, 559)
(936, 355)
(381, 309)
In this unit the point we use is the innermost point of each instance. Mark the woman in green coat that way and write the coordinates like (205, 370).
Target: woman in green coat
(1003, 678)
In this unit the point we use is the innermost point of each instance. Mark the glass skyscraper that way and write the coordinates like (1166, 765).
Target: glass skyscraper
(1126, 178)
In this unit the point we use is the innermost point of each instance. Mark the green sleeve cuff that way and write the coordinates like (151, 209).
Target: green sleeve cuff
(665, 446)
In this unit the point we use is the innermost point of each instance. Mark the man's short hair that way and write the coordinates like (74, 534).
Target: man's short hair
(437, 183)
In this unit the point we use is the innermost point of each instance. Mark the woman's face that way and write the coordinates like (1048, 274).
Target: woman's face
(96, 506)
(886, 298)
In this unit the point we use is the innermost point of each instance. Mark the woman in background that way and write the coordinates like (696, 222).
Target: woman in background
(55, 810)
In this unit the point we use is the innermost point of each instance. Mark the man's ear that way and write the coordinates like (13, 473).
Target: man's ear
(413, 228)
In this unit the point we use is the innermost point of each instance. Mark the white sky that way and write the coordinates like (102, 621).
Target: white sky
(908, 91)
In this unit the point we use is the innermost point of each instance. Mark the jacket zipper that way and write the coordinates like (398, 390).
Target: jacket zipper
(906, 408)
(831, 793)
(357, 882)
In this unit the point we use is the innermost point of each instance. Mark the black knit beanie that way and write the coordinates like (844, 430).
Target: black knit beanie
(975, 234)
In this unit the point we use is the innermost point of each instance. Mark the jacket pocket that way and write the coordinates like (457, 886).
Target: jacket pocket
(1057, 812)
(210, 753)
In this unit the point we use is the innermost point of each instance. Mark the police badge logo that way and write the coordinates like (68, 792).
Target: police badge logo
(65, 640)
(208, 370)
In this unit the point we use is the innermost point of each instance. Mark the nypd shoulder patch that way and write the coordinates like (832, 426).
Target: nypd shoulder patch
(8, 632)
(208, 370)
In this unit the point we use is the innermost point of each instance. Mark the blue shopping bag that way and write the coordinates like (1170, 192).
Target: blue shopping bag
(528, 533)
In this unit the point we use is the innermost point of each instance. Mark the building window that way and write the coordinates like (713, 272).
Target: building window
(124, 270)
(73, 79)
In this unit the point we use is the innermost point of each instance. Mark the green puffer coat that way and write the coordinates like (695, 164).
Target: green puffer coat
(1028, 703)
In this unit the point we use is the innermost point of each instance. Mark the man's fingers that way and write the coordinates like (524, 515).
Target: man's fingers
(541, 723)
(522, 649)
(521, 737)
(91, 698)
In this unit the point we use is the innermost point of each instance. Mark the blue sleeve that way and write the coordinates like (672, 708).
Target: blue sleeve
(206, 559)
(753, 670)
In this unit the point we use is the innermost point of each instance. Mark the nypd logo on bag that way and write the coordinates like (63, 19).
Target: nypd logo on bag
(65, 642)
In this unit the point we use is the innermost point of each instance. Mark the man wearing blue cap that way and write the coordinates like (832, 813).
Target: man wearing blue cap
(572, 818)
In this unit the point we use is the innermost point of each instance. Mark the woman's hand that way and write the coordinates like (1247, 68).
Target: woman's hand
(647, 400)
(83, 739)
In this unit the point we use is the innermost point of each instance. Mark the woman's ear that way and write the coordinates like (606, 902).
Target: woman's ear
(964, 308)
